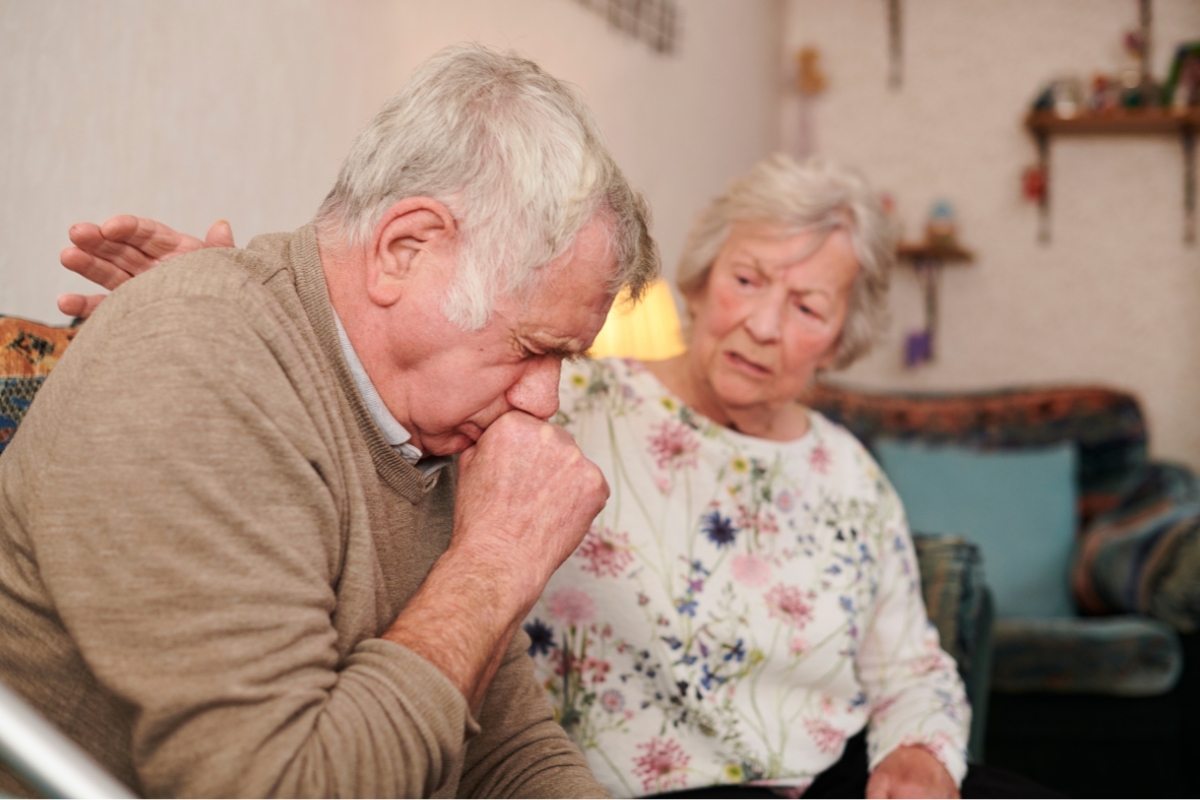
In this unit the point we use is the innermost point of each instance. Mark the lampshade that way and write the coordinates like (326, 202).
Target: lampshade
(647, 331)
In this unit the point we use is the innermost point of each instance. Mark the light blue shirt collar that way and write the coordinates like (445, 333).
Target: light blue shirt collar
(393, 432)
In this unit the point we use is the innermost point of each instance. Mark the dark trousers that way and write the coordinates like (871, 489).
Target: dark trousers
(848, 778)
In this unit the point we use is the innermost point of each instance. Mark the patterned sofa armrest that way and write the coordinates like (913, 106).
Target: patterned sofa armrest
(28, 351)
(960, 607)
(1143, 557)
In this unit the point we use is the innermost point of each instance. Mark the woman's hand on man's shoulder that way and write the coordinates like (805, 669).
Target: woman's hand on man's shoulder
(122, 247)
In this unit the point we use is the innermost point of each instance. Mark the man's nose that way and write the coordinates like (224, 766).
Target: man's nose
(536, 393)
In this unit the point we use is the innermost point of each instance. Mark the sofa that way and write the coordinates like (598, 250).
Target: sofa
(1103, 700)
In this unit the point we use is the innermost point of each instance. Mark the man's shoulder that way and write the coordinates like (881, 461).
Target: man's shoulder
(214, 280)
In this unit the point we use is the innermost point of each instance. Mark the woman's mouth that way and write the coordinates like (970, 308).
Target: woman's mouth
(745, 364)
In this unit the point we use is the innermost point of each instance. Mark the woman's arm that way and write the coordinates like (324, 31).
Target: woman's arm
(124, 246)
(920, 717)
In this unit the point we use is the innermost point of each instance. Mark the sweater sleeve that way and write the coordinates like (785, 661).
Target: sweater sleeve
(912, 685)
(186, 526)
(522, 751)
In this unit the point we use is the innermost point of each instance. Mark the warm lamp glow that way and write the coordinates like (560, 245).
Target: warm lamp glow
(648, 331)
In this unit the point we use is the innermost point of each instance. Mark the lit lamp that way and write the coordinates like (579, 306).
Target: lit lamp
(647, 331)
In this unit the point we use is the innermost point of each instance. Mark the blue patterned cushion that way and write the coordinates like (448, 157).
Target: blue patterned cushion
(1126, 655)
(1144, 556)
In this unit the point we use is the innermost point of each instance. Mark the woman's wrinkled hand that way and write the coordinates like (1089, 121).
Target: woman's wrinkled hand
(911, 771)
(122, 247)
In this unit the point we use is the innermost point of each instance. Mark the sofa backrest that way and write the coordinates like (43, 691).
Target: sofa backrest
(1106, 425)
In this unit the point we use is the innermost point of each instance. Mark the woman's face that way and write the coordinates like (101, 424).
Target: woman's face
(770, 315)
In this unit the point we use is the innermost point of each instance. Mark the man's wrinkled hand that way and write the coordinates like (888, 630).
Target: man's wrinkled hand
(526, 498)
(122, 247)
(911, 772)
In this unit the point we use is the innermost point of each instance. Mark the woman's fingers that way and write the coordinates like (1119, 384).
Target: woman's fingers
(144, 240)
(219, 235)
(123, 246)
(79, 305)
(83, 262)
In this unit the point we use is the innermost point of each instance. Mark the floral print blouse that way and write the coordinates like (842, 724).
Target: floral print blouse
(740, 607)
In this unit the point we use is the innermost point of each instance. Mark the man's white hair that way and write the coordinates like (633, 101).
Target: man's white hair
(817, 194)
(516, 157)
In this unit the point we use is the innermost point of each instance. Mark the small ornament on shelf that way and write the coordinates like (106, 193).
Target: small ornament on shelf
(1106, 93)
(941, 230)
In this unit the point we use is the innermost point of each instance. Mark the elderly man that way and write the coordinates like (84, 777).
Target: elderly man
(236, 556)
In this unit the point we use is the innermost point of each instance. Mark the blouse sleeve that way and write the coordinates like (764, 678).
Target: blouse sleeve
(912, 685)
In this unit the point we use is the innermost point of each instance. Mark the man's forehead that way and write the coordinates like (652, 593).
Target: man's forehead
(564, 325)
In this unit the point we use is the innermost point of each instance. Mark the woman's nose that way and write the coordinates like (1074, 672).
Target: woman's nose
(763, 321)
(536, 393)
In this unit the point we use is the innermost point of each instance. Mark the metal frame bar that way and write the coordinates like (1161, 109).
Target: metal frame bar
(50, 762)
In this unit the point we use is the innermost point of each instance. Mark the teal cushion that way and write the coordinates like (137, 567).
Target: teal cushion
(1018, 506)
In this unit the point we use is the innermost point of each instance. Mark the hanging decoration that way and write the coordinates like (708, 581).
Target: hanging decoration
(895, 44)
(655, 22)
(810, 82)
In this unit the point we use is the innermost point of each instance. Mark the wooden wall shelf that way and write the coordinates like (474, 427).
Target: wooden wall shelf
(923, 251)
(1121, 121)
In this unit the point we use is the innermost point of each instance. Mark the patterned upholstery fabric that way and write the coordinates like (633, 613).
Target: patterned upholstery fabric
(1144, 556)
(959, 606)
(1106, 425)
(28, 351)
(954, 592)
(1128, 656)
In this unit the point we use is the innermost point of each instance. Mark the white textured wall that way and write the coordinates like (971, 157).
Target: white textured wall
(189, 111)
(1115, 298)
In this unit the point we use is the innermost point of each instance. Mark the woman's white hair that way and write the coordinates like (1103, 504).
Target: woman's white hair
(516, 157)
(817, 194)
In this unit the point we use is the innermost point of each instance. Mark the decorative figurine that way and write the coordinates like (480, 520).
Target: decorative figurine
(940, 229)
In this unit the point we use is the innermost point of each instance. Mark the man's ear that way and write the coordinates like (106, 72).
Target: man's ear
(413, 234)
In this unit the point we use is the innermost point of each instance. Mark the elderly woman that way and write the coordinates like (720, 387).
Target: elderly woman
(747, 605)
(748, 600)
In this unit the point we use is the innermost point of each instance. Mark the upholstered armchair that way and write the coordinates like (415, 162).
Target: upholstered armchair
(1098, 695)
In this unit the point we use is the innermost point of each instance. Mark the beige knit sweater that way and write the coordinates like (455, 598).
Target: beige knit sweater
(202, 535)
